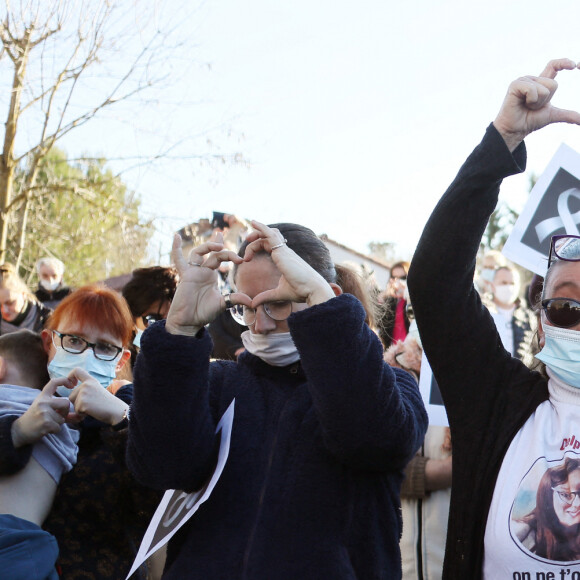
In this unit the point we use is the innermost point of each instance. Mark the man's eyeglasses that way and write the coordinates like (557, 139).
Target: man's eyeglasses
(149, 319)
(567, 497)
(402, 278)
(564, 247)
(278, 310)
(76, 345)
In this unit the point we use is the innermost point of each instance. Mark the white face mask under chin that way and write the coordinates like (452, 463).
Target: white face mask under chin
(276, 349)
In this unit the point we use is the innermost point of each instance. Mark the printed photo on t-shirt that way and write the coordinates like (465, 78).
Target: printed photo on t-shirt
(545, 515)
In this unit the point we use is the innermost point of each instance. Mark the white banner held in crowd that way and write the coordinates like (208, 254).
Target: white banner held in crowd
(431, 395)
(552, 208)
(176, 507)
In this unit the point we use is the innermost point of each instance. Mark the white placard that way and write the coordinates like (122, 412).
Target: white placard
(176, 507)
(552, 208)
(431, 395)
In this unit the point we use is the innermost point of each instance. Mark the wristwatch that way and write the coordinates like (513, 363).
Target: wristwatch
(123, 423)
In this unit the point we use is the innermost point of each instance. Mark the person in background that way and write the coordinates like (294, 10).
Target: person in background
(19, 306)
(225, 332)
(491, 261)
(51, 287)
(394, 324)
(426, 489)
(149, 294)
(515, 323)
(26, 550)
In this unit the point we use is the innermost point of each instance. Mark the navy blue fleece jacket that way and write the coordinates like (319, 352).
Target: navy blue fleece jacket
(311, 486)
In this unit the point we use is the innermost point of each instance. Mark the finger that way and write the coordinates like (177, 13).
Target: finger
(75, 418)
(564, 116)
(542, 93)
(269, 296)
(56, 418)
(556, 65)
(255, 247)
(525, 89)
(79, 375)
(253, 236)
(61, 405)
(272, 234)
(196, 255)
(52, 385)
(177, 254)
(216, 258)
(239, 298)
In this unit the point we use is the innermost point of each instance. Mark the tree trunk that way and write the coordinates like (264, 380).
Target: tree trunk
(7, 163)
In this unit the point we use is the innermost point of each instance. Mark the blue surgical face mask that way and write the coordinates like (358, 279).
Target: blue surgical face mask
(561, 353)
(64, 362)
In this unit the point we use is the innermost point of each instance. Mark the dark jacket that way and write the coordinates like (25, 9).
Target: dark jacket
(54, 298)
(488, 394)
(311, 486)
(100, 513)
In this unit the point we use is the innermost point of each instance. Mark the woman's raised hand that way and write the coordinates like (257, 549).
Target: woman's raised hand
(299, 281)
(527, 105)
(198, 300)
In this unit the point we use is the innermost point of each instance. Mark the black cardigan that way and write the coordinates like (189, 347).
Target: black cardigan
(488, 394)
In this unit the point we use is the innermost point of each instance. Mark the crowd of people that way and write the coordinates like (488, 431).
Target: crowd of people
(108, 399)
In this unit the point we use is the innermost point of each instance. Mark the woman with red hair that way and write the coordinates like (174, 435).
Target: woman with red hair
(100, 513)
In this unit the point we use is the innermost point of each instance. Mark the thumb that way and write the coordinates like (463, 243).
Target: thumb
(564, 116)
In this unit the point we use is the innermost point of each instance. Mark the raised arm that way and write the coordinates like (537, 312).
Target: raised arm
(458, 334)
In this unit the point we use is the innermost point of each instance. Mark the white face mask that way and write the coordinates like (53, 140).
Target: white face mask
(505, 293)
(561, 353)
(50, 286)
(64, 362)
(276, 349)
(137, 339)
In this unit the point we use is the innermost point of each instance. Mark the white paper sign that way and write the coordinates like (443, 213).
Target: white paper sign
(176, 507)
(431, 395)
(552, 208)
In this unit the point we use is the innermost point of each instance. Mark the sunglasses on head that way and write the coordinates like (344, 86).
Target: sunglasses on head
(564, 247)
(562, 312)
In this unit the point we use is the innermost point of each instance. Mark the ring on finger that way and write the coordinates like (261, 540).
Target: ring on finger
(228, 302)
(278, 245)
(194, 264)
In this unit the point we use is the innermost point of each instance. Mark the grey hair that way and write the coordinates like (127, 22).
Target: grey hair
(54, 262)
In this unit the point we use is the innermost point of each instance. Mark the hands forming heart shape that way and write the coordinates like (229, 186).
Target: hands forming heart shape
(198, 300)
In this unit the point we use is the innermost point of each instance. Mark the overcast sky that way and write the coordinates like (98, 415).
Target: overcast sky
(354, 117)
